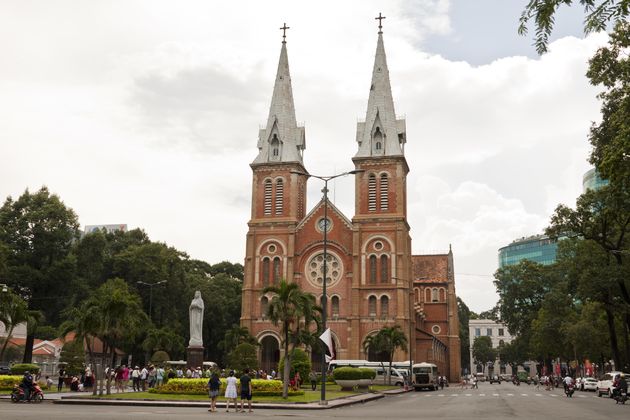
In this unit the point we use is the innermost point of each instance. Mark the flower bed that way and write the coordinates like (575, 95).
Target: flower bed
(7, 382)
(260, 387)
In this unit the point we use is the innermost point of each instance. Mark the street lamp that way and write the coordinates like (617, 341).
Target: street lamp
(151, 285)
(325, 272)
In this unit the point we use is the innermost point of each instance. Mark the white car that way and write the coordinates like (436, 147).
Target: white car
(604, 385)
(588, 384)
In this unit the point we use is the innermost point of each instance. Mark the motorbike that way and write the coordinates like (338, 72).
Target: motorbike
(620, 397)
(18, 395)
(569, 390)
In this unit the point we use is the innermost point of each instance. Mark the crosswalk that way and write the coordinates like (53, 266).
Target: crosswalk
(494, 395)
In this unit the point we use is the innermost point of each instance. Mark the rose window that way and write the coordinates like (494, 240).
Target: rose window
(315, 269)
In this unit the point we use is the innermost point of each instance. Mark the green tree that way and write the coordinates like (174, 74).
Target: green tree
(296, 312)
(387, 340)
(13, 311)
(39, 230)
(73, 355)
(300, 362)
(465, 315)
(235, 336)
(483, 351)
(598, 14)
(163, 339)
(243, 356)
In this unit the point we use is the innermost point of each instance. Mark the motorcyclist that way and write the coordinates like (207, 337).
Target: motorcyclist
(568, 381)
(623, 384)
(27, 385)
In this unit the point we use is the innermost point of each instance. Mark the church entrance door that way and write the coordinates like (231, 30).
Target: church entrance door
(270, 353)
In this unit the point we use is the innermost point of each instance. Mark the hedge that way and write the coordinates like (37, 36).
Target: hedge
(367, 373)
(347, 373)
(20, 368)
(260, 387)
(7, 382)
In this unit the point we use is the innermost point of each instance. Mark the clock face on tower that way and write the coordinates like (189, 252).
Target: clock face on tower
(324, 224)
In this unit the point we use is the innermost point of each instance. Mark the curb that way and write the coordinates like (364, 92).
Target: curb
(341, 402)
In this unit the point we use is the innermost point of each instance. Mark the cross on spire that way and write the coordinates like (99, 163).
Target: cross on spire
(284, 32)
(380, 22)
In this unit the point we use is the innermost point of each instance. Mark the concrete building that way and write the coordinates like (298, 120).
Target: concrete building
(372, 278)
(499, 335)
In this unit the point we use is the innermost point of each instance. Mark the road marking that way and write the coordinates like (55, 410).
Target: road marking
(552, 395)
(441, 395)
(455, 395)
(469, 395)
(524, 395)
(495, 395)
(581, 396)
(510, 395)
(539, 395)
(482, 395)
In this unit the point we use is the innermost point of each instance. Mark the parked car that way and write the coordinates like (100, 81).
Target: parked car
(588, 384)
(5, 370)
(495, 379)
(604, 385)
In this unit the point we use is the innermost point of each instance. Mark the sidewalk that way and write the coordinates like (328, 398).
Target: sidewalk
(336, 403)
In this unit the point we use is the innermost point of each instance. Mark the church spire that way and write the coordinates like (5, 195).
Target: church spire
(381, 134)
(281, 140)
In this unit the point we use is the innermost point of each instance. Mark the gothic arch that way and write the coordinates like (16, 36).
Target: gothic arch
(266, 242)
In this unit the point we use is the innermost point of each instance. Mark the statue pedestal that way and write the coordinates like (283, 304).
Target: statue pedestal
(195, 357)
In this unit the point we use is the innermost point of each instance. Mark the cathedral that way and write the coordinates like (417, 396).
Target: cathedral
(373, 280)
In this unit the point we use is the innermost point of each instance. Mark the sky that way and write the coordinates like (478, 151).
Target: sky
(147, 113)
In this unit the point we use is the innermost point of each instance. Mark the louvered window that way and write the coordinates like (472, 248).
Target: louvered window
(384, 269)
(372, 306)
(279, 196)
(276, 270)
(268, 188)
(372, 192)
(372, 269)
(384, 192)
(384, 306)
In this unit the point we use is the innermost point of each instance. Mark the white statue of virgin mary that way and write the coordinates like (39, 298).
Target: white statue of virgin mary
(196, 321)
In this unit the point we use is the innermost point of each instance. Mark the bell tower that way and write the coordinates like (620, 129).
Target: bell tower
(278, 199)
(382, 283)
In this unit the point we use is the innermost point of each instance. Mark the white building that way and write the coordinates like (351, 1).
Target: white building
(498, 334)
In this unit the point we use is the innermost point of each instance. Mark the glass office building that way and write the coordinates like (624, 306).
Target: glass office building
(592, 181)
(538, 248)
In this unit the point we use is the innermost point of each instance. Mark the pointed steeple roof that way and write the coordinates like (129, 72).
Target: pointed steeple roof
(381, 134)
(281, 140)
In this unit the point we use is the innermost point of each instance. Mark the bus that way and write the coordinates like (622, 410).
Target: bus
(425, 376)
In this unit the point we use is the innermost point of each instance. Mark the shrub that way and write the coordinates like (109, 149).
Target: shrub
(243, 356)
(8, 381)
(367, 373)
(300, 363)
(159, 357)
(347, 373)
(260, 387)
(20, 368)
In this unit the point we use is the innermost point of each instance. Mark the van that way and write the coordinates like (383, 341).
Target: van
(382, 376)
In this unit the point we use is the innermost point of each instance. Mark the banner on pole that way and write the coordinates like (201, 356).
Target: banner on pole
(326, 337)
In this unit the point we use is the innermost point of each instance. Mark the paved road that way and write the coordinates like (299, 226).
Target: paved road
(504, 401)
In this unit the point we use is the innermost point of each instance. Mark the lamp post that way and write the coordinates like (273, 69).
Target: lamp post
(151, 285)
(324, 268)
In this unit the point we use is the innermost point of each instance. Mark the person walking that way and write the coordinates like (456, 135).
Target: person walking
(62, 375)
(135, 378)
(159, 377)
(144, 374)
(246, 391)
(313, 378)
(214, 384)
(230, 392)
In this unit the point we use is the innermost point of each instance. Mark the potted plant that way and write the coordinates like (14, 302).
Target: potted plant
(367, 375)
(347, 377)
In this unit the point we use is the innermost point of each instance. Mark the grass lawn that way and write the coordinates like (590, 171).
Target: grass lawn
(332, 391)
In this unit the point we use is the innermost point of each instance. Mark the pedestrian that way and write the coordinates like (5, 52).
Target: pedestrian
(298, 380)
(313, 378)
(214, 384)
(246, 390)
(125, 379)
(135, 378)
(159, 377)
(144, 374)
(49, 382)
(62, 375)
(230, 392)
(119, 378)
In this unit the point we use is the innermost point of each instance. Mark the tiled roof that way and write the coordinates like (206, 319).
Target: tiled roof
(430, 268)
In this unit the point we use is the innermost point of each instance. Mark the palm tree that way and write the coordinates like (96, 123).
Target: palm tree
(235, 336)
(295, 311)
(13, 311)
(387, 340)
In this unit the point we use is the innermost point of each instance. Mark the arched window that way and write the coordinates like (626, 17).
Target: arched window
(442, 295)
(434, 295)
(265, 272)
(384, 306)
(372, 269)
(267, 204)
(378, 140)
(334, 304)
(264, 307)
(372, 192)
(384, 192)
(372, 306)
(275, 148)
(427, 295)
(384, 269)
(279, 196)
(276, 270)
